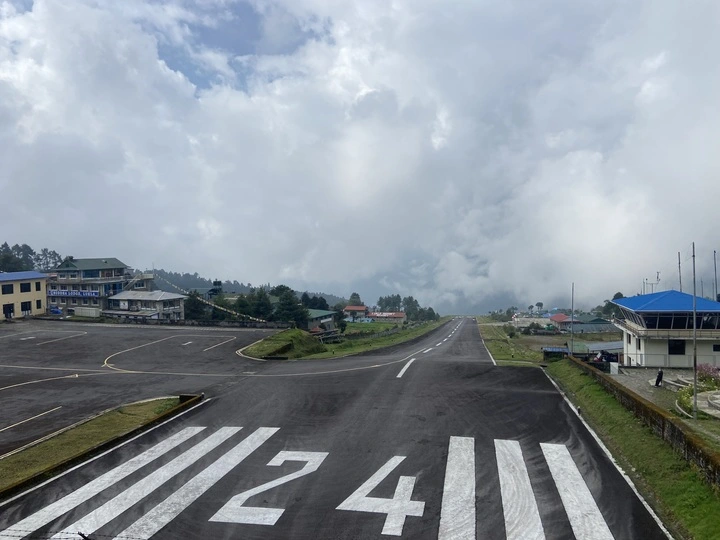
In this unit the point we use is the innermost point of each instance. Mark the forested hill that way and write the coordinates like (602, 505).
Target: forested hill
(195, 282)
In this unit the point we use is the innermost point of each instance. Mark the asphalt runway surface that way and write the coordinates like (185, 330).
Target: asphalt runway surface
(424, 440)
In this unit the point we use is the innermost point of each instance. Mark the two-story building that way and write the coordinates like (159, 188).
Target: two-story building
(658, 329)
(146, 305)
(355, 312)
(22, 294)
(83, 286)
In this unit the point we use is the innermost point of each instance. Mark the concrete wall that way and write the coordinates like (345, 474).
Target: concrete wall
(654, 353)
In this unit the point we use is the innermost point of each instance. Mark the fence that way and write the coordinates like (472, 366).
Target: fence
(691, 447)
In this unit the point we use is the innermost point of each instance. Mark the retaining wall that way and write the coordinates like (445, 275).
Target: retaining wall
(664, 424)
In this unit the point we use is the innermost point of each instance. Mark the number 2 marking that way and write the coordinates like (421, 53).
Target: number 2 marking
(235, 512)
(397, 508)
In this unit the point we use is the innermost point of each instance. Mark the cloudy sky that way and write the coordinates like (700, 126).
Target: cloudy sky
(471, 153)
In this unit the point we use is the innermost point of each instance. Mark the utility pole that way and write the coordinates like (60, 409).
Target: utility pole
(679, 272)
(572, 320)
(694, 339)
(715, 263)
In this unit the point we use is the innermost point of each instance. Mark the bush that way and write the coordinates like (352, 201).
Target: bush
(709, 376)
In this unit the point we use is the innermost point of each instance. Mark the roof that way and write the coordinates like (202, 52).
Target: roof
(355, 308)
(559, 317)
(588, 318)
(605, 346)
(17, 276)
(381, 314)
(668, 302)
(153, 296)
(91, 264)
(318, 313)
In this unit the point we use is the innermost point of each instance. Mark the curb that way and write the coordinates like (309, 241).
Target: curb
(186, 401)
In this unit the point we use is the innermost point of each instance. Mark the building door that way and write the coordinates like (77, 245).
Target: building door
(8, 310)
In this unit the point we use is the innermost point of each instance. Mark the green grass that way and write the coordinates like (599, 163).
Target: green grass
(685, 502)
(370, 327)
(75, 441)
(299, 344)
(506, 350)
(293, 343)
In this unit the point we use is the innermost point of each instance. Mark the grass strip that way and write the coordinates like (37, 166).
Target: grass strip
(304, 346)
(688, 506)
(74, 442)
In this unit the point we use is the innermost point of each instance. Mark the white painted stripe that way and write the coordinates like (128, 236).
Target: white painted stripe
(439, 344)
(58, 508)
(222, 343)
(611, 458)
(62, 338)
(522, 519)
(582, 510)
(427, 350)
(31, 418)
(457, 513)
(171, 507)
(488, 351)
(402, 371)
(188, 343)
(113, 508)
(26, 338)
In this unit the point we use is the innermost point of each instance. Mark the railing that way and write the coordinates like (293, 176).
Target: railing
(669, 360)
(666, 333)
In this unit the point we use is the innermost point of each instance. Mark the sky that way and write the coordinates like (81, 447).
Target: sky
(471, 153)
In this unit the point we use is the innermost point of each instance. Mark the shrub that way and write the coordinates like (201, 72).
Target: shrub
(709, 376)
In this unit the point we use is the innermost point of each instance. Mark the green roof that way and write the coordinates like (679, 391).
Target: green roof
(317, 313)
(91, 264)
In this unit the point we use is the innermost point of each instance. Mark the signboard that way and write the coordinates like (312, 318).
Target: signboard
(57, 292)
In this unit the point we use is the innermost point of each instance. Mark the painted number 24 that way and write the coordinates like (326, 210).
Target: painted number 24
(396, 509)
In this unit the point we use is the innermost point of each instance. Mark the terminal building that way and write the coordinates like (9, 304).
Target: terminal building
(22, 294)
(83, 286)
(658, 329)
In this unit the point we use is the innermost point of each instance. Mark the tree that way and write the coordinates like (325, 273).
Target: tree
(278, 290)
(319, 302)
(411, 308)
(194, 307)
(530, 308)
(355, 300)
(242, 305)
(262, 308)
(10, 261)
(289, 309)
(539, 305)
(305, 299)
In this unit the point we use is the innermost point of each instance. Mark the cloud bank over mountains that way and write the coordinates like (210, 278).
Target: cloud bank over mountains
(471, 154)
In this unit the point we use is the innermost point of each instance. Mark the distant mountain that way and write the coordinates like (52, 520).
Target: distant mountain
(194, 282)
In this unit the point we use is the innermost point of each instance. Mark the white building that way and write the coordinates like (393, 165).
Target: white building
(658, 329)
(146, 305)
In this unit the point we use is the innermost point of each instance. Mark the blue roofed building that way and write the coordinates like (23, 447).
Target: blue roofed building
(658, 329)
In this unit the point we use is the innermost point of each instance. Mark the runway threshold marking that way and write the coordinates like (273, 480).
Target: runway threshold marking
(582, 510)
(522, 518)
(76, 498)
(457, 511)
(31, 418)
(404, 369)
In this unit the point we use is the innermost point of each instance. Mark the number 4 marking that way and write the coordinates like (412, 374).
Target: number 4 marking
(235, 512)
(397, 508)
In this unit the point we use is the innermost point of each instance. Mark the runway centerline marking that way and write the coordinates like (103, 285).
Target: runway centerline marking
(31, 418)
(26, 338)
(188, 343)
(402, 371)
(427, 350)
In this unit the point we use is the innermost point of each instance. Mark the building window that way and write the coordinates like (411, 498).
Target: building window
(8, 289)
(8, 310)
(74, 301)
(26, 307)
(95, 301)
(62, 300)
(53, 300)
(38, 304)
(63, 287)
(716, 347)
(25, 287)
(629, 339)
(37, 285)
(85, 301)
(676, 346)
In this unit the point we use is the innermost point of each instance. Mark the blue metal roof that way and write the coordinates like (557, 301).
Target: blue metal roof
(667, 301)
(15, 276)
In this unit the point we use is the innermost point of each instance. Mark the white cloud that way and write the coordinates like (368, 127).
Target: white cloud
(465, 153)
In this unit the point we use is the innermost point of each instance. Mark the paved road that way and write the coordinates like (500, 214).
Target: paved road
(428, 440)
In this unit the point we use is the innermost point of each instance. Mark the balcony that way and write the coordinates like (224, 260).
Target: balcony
(98, 280)
(665, 333)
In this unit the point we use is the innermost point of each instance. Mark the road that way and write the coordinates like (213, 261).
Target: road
(427, 440)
